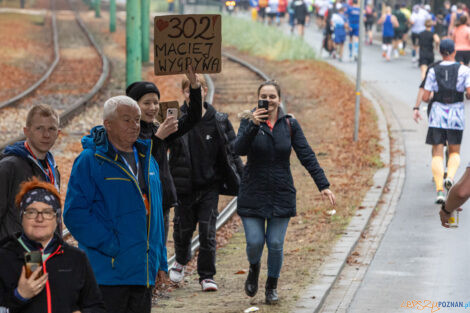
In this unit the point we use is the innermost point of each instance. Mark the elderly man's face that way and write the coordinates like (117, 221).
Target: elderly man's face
(123, 127)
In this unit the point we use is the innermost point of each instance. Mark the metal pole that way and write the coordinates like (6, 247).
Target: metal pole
(112, 16)
(133, 42)
(359, 70)
(145, 22)
(97, 8)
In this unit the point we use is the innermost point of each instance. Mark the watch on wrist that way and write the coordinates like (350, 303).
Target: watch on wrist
(443, 208)
(415, 108)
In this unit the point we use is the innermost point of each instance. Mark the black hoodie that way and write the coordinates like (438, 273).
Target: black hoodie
(17, 166)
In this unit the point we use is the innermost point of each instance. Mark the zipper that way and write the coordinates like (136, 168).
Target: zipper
(48, 287)
(150, 215)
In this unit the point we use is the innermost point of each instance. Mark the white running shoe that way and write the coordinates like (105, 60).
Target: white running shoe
(209, 285)
(177, 272)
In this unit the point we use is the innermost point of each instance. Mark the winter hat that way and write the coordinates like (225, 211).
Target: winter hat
(138, 89)
(38, 191)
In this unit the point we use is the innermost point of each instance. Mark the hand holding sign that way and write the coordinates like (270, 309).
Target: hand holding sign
(187, 40)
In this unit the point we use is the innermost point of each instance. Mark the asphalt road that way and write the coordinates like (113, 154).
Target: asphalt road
(417, 258)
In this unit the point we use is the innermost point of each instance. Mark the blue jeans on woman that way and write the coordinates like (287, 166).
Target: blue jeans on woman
(272, 231)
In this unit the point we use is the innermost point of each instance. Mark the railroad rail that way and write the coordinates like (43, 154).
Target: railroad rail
(77, 105)
(47, 74)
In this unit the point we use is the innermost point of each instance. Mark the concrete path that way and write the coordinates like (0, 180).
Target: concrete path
(417, 258)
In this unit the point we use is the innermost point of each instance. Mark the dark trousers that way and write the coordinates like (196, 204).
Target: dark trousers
(127, 299)
(166, 222)
(200, 207)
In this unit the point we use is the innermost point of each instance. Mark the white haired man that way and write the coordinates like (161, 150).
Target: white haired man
(114, 208)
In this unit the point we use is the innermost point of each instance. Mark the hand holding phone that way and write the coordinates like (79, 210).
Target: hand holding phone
(263, 104)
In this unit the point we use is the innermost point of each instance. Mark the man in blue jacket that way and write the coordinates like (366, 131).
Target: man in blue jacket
(114, 208)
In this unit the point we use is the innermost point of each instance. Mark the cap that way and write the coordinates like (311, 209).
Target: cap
(138, 89)
(427, 7)
(447, 47)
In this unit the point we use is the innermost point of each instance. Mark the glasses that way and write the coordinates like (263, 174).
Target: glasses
(32, 214)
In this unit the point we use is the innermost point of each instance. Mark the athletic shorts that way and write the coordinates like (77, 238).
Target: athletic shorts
(354, 31)
(300, 21)
(282, 14)
(415, 39)
(426, 59)
(398, 34)
(438, 136)
(463, 56)
(368, 25)
(262, 12)
(387, 40)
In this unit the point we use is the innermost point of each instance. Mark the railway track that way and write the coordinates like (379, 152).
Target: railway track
(67, 86)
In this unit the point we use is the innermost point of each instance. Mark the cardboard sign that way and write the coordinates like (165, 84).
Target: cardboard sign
(183, 40)
(164, 106)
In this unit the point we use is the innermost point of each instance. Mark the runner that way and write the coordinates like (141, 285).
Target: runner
(399, 31)
(353, 14)
(300, 14)
(338, 21)
(389, 21)
(417, 20)
(407, 13)
(272, 11)
(369, 19)
(427, 40)
(448, 80)
(455, 16)
(462, 40)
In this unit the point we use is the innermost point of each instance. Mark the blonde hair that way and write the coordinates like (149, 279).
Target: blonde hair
(43, 110)
(185, 82)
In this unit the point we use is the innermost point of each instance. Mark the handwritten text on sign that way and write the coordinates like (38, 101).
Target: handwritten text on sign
(183, 40)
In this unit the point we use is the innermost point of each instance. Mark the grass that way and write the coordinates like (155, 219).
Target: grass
(262, 40)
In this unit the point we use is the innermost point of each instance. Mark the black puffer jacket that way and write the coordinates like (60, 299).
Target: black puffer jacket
(16, 166)
(72, 285)
(267, 188)
(230, 165)
(191, 116)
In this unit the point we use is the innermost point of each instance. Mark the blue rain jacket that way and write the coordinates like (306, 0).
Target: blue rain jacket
(105, 212)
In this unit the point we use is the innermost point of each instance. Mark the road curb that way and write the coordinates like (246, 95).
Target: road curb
(315, 294)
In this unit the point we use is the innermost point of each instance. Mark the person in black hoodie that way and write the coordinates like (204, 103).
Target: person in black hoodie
(203, 166)
(147, 96)
(65, 282)
(25, 159)
(267, 197)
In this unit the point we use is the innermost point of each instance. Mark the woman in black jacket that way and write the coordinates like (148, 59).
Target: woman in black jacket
(147, 96)
(267, 197)
(65, 282)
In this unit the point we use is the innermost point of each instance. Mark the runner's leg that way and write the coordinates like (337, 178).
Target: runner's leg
(437, 166)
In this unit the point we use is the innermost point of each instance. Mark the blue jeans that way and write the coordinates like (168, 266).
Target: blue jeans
(272, 231)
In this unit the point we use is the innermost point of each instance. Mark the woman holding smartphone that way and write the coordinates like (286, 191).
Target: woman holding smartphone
(61, 279)
(147, 96)
(267, 197)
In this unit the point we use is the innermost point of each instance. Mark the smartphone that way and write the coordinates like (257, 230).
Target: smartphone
(163, 110)
(32, 260)
(263, 104)
(172, 112)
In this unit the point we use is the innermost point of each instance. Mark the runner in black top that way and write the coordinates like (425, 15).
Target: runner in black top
(427, 39)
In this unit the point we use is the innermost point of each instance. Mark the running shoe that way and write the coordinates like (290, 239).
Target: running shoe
(209, 285)
(448, 182)
(177, 272)
(440, 199)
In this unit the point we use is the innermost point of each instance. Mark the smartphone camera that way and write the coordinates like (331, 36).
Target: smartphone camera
(172, 112)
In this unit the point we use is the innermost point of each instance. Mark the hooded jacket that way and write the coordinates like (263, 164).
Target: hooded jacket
(229, 165)
(71, 285)
(16, 166)
(105, 211)
(267, 188)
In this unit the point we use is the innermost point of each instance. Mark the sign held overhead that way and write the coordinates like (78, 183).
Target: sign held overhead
(183, 40)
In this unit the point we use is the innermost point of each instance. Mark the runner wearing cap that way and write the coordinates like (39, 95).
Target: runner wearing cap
(448, 81)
